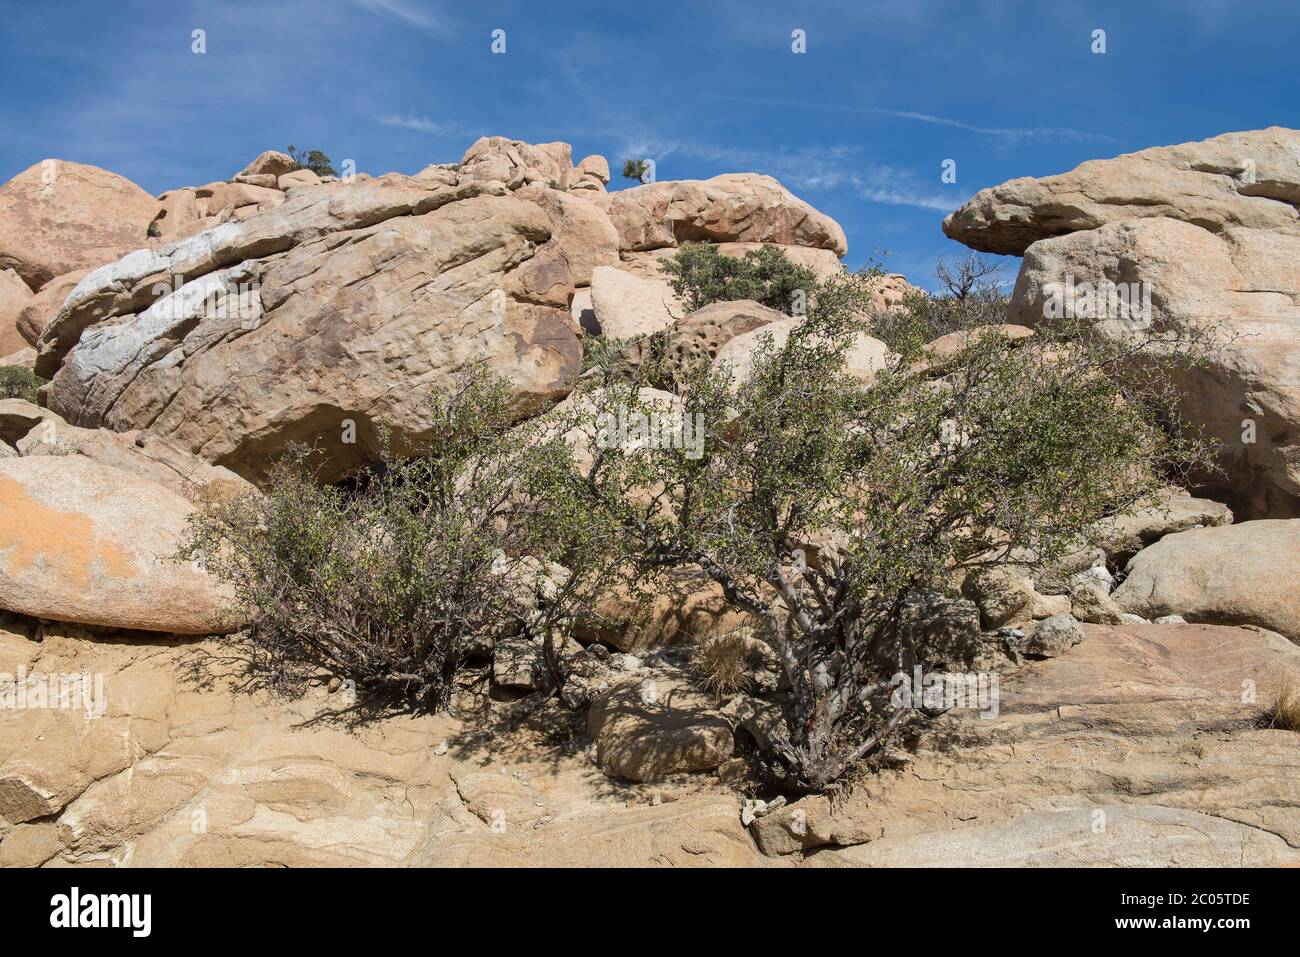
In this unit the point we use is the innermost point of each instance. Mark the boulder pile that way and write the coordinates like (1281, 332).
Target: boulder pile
(1206, 236)
(189, 339)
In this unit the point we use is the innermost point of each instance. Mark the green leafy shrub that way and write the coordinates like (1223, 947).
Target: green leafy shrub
(19, 382)
(701, 275)
(314, 160)
(636, 169)
(822, 505)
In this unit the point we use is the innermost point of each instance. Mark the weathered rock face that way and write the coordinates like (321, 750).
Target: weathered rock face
(733, 207)
(1123, 536)
(45, 305)
(56, 217)
(865, 357)
(138, 453)
(1249, 179)
(583, 233)
(1209, 233)
(349, 302)
(701, 335)
(1247, 574)
(1135, 747)
(648, 729)
(514, 162)
(628, 307)
(275, 788)
(23, 357)
(270, 163)
(88, 543)
(14, 298)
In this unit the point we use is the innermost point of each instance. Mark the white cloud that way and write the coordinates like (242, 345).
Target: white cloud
(1009, 133)
(414, 14)
(421, 123)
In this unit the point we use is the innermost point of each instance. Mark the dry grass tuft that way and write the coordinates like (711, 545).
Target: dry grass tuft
(724, 665)
(1284, 713)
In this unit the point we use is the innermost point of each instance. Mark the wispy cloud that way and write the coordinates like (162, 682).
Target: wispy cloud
(414, 14)
(420, 123)
(895, 187)
(1013, 134)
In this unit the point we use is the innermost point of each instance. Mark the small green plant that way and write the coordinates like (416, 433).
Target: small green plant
(701, 275)
(19, 382)
(636, 169)
(314, 160)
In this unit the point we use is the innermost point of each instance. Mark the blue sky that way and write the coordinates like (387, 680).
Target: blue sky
(859, 125)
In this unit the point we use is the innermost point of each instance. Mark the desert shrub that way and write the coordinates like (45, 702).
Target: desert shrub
(314, 160)
(19, 382)
(392, 580)
(701, 275)
(902, 484)
(1284, 710)
(636, 169)
(971, 295)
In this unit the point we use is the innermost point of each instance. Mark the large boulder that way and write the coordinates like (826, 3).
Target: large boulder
(14, 298)
(628, 307)
(56, 217)
(866, 355)
(701, 335)
(45, 305)
(583, 233)
(85, 542)
(733, 207)
(139, 453)
(270, 163)
(325, 319)
(514, 162)
(1248, 179)
(1247, 574)
(1207, 236)
(1173, 510)
(647, 729)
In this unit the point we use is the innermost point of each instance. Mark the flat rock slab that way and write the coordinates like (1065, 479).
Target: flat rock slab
(1161, 720)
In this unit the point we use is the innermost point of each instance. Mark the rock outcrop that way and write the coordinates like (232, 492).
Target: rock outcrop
(57, 217)
(733, 207)
(629, 307)
(85, 542)
(1249, 179)
(1246, 574)
(1207, 235)
(1135, 747)
(349, 303)
(15, 296)
(647, 729)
